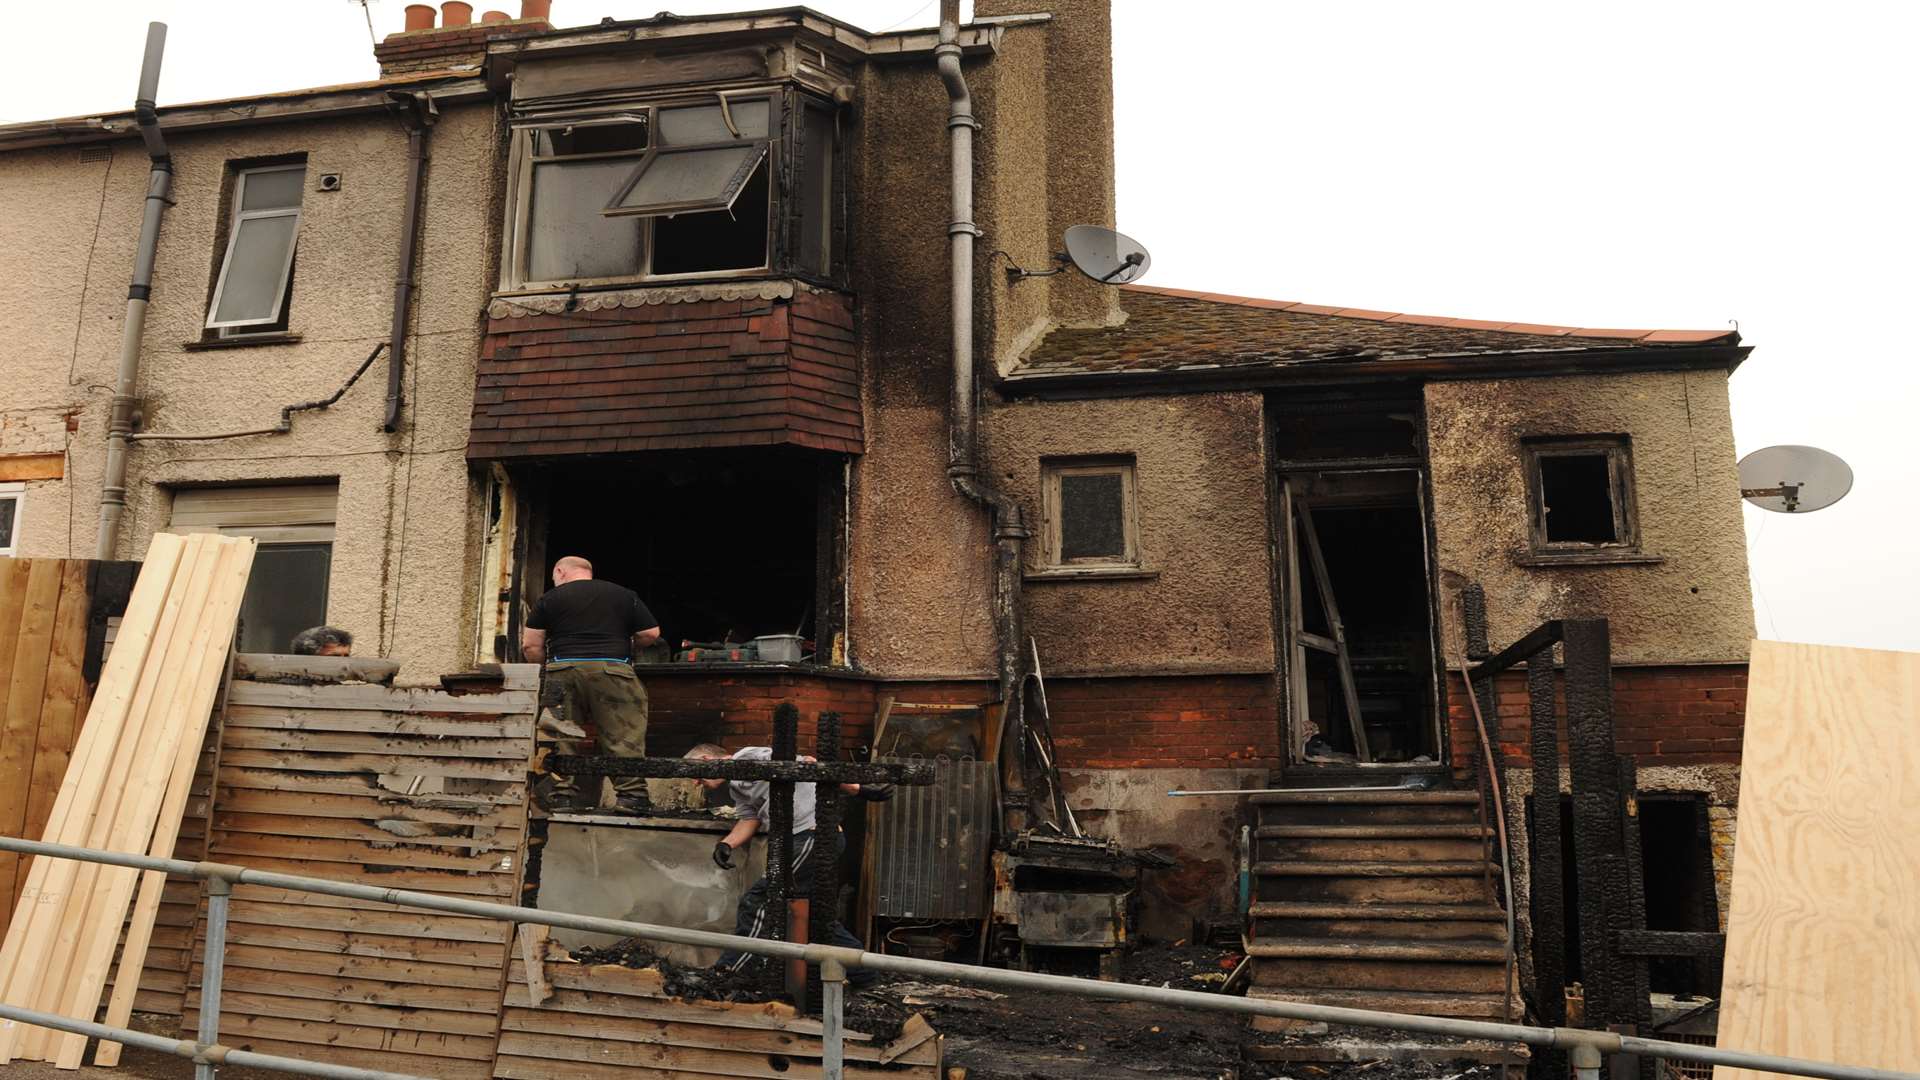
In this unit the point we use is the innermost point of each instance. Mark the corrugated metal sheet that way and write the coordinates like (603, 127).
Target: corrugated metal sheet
(930, 844)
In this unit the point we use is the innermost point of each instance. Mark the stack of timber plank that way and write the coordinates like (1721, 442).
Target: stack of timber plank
(126, 788)
(375, 785)
(606, 1022)
(1823, 932)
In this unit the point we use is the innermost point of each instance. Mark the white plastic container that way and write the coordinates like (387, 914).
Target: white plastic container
(779, 648)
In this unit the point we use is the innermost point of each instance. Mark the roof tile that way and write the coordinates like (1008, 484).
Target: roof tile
(1175, 329)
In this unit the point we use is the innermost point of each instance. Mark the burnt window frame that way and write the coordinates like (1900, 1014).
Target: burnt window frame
(1052, 470)
(1618, 451)
(787, 105)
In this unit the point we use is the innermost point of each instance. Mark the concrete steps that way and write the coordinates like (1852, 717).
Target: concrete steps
(1376, 899)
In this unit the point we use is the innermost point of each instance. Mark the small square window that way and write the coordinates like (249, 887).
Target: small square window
(11, 496)
(1581, 492)
(1089, 513)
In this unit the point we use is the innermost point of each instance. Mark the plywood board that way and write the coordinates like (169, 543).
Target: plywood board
(1823, 932)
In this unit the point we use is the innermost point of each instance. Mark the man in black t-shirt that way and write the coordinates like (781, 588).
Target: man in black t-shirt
(586, 631)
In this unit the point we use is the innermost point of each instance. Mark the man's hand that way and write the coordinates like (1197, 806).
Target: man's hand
(723, 855)
(875, 792)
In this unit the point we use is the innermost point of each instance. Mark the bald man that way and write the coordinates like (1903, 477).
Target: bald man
(586, 631)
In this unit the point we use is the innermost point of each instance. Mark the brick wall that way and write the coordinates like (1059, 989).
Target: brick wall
(668, 376)
(429, 50)
(735, 708)
(1206, 722)
(1210, 722)
(1692, 715)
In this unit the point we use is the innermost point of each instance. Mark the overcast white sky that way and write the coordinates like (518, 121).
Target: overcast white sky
(1604, 164)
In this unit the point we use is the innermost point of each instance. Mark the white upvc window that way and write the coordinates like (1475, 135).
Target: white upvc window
(12, 500)
(252, 292)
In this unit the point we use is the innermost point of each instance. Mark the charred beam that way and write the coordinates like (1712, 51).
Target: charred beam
(1544, 636)
(1703, 945)
(804, 772)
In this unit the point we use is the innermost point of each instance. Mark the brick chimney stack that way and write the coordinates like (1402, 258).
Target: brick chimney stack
(457, 41)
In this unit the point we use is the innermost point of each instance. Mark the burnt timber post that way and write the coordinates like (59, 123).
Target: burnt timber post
(824, 888)
(1546, 892)
(786, 738)
(1599, 825)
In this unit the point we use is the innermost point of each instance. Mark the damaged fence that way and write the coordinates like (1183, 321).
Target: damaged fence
(1587, 1050)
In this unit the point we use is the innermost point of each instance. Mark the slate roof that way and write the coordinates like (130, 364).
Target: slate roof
(1169, 331)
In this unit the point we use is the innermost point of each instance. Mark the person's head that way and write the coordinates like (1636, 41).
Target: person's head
(709, 752)
(323, 641)
(571, 568)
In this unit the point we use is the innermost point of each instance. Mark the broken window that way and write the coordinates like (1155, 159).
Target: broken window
(11, 495)
(1582, 493)
(287, 589)
(723, 546)
(1089, 513)
(668, 190)
(255, 285)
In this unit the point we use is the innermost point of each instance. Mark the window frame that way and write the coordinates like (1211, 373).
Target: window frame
(1052, 522)
(237, 216)
(1618, 451)
(521, 163)
(14, 492)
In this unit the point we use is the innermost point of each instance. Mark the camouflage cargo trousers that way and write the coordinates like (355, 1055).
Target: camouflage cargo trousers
(608, 696)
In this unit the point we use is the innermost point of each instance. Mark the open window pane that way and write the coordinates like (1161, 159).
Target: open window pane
(274, 189)
(568, 238)
(1092, 516)
(679, 181)
(733, 239)
(706, 124)
(254, 279)
(1577, 490)
(286, 593)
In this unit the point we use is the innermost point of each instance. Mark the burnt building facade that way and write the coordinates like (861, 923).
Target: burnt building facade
(679, 299)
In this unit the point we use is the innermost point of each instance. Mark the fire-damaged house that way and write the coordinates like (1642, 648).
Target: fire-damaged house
(697, 298)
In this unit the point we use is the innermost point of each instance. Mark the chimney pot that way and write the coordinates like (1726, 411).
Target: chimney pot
(495, 16)
(455, 13)
(536, 9)
(420, 17)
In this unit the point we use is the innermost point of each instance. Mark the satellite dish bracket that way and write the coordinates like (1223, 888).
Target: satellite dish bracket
(1015, 272)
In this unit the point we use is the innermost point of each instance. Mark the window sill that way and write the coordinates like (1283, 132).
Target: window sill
(1551, 560)
(247, 342)
(1095, 573)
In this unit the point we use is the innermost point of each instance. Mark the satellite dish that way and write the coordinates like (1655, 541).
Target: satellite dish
(1794, 479)
(1107, 257)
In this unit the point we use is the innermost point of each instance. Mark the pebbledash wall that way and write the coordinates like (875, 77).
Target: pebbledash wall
(404, 551)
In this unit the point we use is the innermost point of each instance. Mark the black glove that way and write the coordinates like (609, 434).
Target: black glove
(723, 855)
(875, 792)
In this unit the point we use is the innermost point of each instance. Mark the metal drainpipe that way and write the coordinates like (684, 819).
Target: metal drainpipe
(113, 489)
(1009, 525)
(418, 113)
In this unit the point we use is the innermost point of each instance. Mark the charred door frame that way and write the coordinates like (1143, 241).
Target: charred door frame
(1280, 552)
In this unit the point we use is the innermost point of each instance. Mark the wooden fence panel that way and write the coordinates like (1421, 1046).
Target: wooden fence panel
(381, 786)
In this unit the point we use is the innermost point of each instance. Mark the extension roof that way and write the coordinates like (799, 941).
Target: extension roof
(1175, 337)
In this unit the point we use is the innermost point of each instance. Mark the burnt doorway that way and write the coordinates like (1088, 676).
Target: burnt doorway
(1357, 619)
(723, 546)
